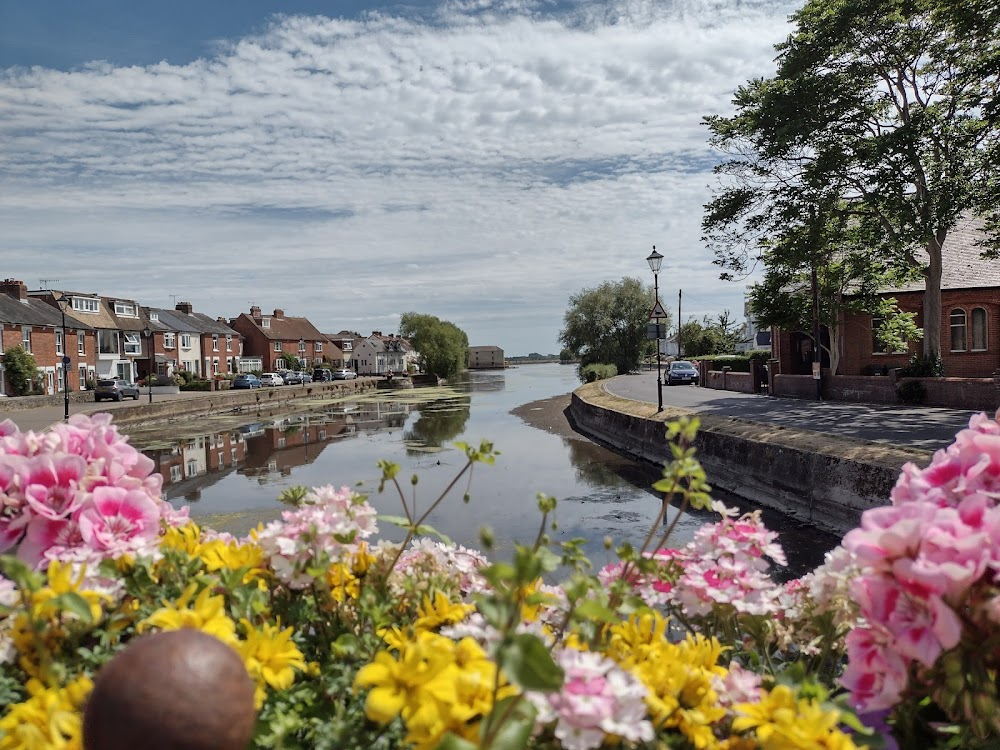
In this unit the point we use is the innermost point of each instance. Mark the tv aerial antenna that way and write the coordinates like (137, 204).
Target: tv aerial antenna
(173, 299)
(44, 283)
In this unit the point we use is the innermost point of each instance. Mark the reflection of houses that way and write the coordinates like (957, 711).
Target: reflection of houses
(279, 450)
(197, 463)
(378, 414)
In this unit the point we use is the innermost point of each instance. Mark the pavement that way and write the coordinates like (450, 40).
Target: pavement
(44, 416)
(925, 427)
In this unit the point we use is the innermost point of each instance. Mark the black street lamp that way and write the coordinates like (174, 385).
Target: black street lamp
(148, 333)
(63, 304)
(654, 260)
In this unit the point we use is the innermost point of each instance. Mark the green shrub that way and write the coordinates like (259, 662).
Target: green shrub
(590, 373)
(197, 385)
(919, 366)
(735, 362)
(21, 371)
(911, 392)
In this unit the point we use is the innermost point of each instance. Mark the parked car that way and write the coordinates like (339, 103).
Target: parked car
(682, 372)
(116, 390)
(306, 377)
(246, 381)
(322, 375)
(344, 374)
(292, 377)
(271, 378)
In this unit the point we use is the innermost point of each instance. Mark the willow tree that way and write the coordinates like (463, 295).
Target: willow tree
(877, 109)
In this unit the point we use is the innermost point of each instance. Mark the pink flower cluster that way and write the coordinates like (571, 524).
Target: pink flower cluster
(726, 563)
(327, 525)
(598, 698)
(925, 560)
(77, 492)
(427, 559)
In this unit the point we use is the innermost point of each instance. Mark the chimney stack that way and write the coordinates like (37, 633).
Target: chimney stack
(278, 313)
(255, 312)
(185, 307)
(14, 288)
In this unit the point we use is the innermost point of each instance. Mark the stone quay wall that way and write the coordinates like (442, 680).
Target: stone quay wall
(821, 480)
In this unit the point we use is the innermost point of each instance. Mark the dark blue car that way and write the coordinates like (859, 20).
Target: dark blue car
(682, 372)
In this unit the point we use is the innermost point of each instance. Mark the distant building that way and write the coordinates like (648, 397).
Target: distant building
(486, 358)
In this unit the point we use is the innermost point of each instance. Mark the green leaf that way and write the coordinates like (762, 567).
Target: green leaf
(527, 661)
(75, 604)
(21, 574)
(518, 717)
(454, 742)
(395, 520)
(428, 530)
(595, 610)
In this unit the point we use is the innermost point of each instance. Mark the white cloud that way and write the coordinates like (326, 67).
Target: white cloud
(481, 165)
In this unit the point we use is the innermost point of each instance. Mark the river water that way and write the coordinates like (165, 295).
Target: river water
(230, 470)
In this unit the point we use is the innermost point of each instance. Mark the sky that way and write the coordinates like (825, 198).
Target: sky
(350, 161)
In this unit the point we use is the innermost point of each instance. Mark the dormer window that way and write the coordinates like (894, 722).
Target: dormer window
(85, 305)
(154, 316)
(125, 308)
(265, 323)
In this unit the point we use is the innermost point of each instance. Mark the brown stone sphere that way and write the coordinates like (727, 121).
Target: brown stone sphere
(177, 690)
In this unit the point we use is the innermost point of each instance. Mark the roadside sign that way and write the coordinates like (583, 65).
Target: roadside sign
(657, 312)
(66, 360)
(816, 371)
(655, 331)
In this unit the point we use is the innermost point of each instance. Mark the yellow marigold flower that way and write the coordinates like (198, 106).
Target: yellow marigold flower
(440, 611)
(60, 575)
(781, 720)
(362, 560)
(220, 555)
(271, 658)
(206, 613)
(186, 538)
(342, 582)
(50, 718)
(632, 640)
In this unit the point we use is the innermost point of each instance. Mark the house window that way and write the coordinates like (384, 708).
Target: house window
(319, 346)
(61, 379)
(154, 316)
(175, 473)
(186, 340)
(277, 346)
(26, 338)
(979, 329)
(958, 330)
(81, 304)
(83, 377)
(107, 342)
(81, 343)
(302, 346)
(132, 343)
(229, 343)
(192, 468)
(215, 365)
(125, 308)
(347, 346)
(215, 342)
(169, 340)
(59, 342)
(265, 323)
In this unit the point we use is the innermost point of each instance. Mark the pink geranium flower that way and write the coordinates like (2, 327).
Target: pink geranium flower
(116, 516)
(53, 485)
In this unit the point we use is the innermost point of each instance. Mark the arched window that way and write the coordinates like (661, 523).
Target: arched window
(958, 330)
(979, 329)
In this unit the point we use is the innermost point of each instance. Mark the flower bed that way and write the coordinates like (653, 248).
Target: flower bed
(351, 641)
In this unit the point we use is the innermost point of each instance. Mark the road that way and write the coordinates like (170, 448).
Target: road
(924, 427)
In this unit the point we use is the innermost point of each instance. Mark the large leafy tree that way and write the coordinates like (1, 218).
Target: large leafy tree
(607, 324)
(879, 110)
(443, 347)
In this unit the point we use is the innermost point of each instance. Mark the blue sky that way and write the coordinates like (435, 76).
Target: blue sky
(479, 160)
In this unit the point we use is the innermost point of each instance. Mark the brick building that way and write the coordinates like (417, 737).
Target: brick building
(970, 319)
(272, 336)
(35, 325)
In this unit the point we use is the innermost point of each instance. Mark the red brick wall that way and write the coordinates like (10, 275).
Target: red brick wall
(741, 382)
(858, 359)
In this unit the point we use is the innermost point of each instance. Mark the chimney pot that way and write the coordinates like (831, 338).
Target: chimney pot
(185, 307)
(14, 288)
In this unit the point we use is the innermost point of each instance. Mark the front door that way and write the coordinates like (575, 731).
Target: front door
(125, 371)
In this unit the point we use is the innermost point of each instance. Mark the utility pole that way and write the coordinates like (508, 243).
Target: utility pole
(679, 354)
(817, 351)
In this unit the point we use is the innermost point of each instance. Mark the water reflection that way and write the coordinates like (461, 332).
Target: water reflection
(232, 472)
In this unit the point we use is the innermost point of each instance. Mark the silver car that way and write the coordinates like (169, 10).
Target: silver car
(116, 390)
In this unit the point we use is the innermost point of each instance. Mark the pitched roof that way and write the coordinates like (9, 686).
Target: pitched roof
(171, 320)
(35, 312)
(961, 264)
(211, 325)
(288, 328)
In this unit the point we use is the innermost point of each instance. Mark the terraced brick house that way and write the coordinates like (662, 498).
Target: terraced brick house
(271, 337)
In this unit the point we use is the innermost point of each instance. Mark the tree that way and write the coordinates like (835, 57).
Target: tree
(708, 337)
(607, 324)
(878, 110)
(443, 347)
(20, 369)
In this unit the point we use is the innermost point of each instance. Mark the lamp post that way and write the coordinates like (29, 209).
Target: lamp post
(654, 260)
(63, 302)
(148, 333)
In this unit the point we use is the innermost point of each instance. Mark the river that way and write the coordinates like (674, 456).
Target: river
(230, 471)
